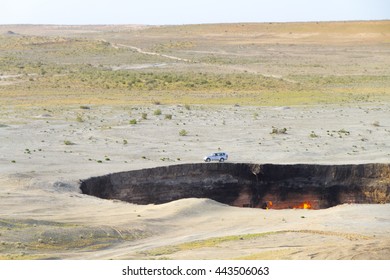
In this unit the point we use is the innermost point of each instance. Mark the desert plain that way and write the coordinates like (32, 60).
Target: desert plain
(83, 101)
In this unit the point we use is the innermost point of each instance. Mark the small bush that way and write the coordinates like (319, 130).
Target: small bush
(343, 131)
(68, 143)
(144, 116)
(168, 116)
(183, 132)
(133, 121)
(187, 107)
(279, 130)
(157, 112)
(313, 135)
(79, 119)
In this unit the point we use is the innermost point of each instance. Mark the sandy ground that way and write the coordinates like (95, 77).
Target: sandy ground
(45, 151)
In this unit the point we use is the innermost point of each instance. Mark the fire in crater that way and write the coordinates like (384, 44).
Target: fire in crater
(303, 205)
(267, 186)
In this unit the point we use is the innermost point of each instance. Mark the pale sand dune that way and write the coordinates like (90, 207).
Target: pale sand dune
(44, 215)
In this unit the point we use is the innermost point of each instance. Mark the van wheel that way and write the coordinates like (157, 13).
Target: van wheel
(221, 160)
(208, 160)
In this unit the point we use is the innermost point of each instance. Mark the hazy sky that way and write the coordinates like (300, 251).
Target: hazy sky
(187, 11)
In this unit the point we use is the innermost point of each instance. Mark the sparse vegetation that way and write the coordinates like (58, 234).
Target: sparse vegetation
(211, 242)
(340, 133)
(343, 132)
(183, 132)
(70, 68)
(313, 135)
(79, 118)
(278, 130)
(133, 121)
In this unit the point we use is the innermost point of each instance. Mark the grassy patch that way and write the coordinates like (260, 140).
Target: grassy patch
(211, 242)
(183, 132)
(214, 242)
(28, 239)
(157, 112)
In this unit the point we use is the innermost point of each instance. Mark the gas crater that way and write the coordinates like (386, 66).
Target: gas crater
(267, 186)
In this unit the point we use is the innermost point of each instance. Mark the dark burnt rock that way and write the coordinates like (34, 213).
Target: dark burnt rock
(248, 185)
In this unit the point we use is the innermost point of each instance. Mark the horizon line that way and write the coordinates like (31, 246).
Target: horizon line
(183, 24)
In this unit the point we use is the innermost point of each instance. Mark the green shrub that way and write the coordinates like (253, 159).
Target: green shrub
(157, 112)
(279, 130)
(79, 118)
(133, 121)
(313, 135)
(183, 132)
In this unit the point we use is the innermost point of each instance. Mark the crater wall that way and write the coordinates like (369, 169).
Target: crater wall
(248, 185)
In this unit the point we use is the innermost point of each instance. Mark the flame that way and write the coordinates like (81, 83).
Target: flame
(269, 205)
(303, 205)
